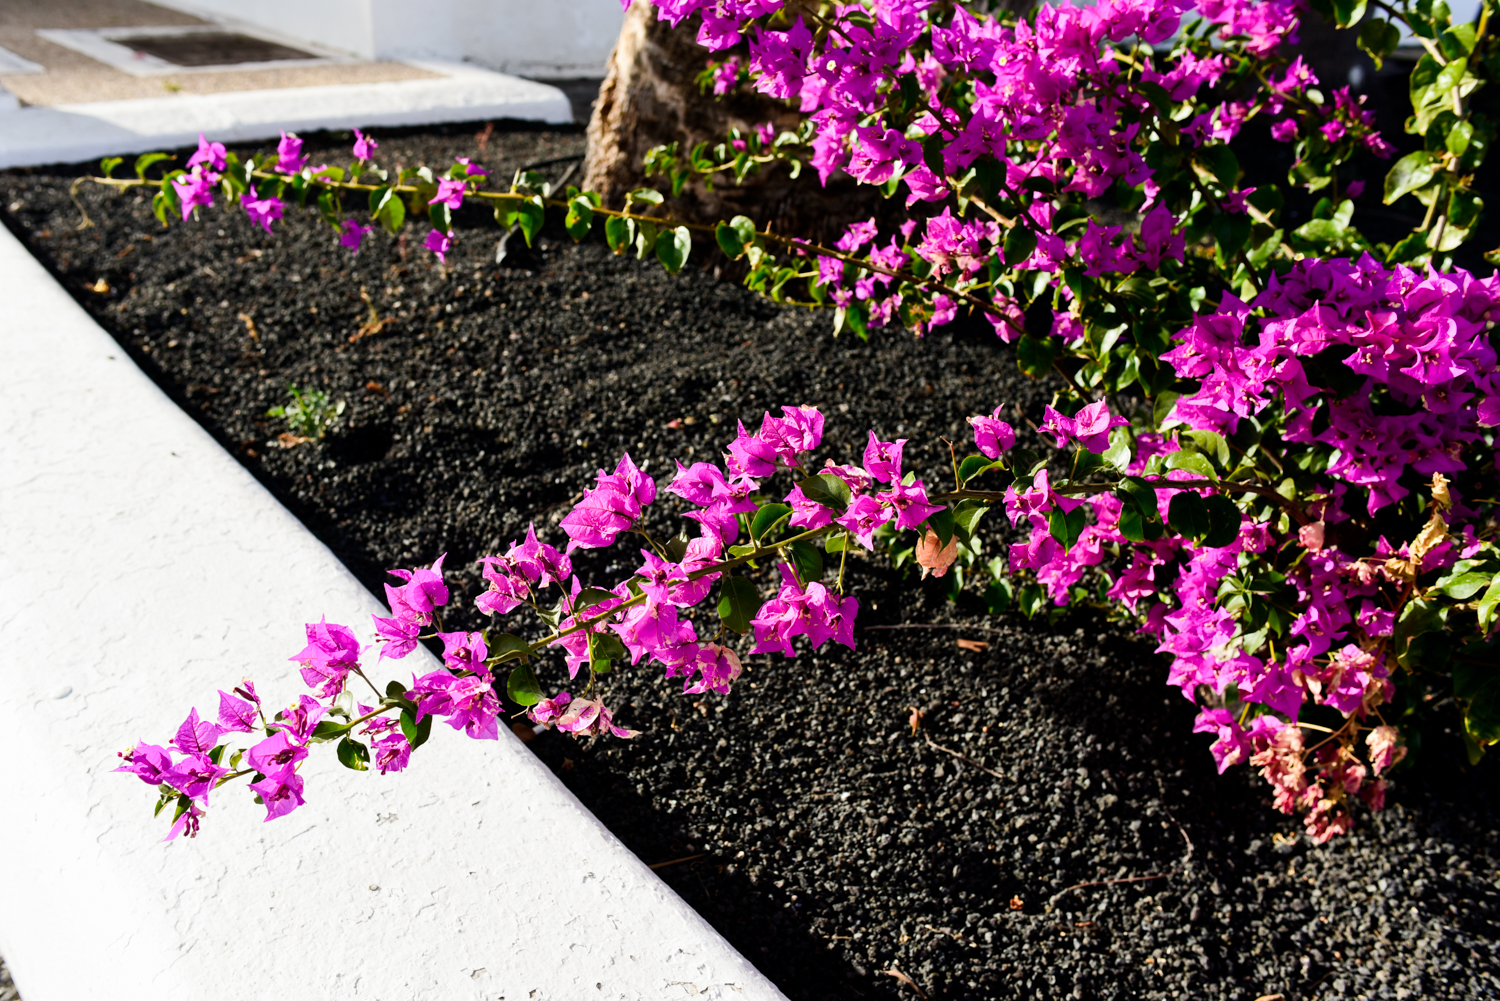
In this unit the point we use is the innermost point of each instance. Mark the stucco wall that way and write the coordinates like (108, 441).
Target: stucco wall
(527, 37)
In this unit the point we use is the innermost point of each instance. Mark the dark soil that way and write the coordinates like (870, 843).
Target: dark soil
(1094, 854)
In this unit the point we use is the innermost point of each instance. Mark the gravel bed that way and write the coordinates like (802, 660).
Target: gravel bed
(1053, 829)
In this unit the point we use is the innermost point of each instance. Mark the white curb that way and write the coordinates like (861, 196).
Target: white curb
(68, 133)
(141, 569)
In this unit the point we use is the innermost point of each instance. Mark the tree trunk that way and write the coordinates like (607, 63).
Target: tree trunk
(650, 97)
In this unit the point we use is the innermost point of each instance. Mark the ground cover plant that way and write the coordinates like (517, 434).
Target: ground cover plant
(823, 837)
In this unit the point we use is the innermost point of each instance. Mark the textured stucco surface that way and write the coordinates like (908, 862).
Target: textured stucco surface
(141, 569)
(66, 133)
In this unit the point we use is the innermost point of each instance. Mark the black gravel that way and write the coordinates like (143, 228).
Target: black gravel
(1053, 829)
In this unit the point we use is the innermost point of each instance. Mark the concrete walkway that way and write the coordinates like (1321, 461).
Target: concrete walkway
(68, 133)
(141, 569)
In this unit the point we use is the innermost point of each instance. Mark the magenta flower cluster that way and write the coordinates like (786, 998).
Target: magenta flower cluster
(1421, 389)
(1050, 101)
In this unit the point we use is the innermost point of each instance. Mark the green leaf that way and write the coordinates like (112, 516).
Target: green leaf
(647, 196)
(580, 218)
(1193, 462)
(441, 217)
(1223, 521)
(1140, 494)
(826, 489)
(1117, 456)
(1465, 585)
(966, 517)
(145, 160)
(1188, 515)
(1488, 604)
(1231, 232)
(1034, 355)
(1066, 527)
(1448, 77)
(1482, 719)
(1422, 76)
(1020, 243)
(672, 248)
(1458, 40)
(942, 525)
(808, 560)
(508, 646)
(998, 596)
(416, 734)
(353, 754)
(109, 163)
(522, 687)
(1161, 410)
(738, 603)
(165, 206)
(766, 518)
(1132, 525)
(591, 596)
(618, 233)
(1219, 160)
(1379, 38)
(1458, 137)
(329, 208)
(1347, 13)
(729, 241)
(604, 648)
(531, 214)
(971, 466)
(1210, 443)
(1410, 172)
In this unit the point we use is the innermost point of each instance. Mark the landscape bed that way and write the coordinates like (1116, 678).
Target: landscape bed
(1052, 828)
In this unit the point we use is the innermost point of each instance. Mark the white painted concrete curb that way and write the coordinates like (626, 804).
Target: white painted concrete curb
(141, 568)
(69, 133)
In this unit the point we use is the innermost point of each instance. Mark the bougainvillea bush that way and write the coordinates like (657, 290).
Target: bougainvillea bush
(1272, 447)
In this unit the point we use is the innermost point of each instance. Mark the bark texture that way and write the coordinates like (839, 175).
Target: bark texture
(650, 98)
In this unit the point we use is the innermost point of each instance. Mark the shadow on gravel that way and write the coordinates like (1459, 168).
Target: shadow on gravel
(1051, 829)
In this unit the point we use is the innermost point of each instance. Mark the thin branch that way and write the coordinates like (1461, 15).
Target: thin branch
(964, 758)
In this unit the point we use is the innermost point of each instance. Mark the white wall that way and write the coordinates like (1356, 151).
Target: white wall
(540, 38)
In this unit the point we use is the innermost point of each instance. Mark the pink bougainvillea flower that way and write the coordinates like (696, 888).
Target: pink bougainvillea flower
(422, 593)
(289, 154)
(150, 763)
(275, 753)
(591, 717)
(364, 146)
(196, 736)
(610, 508)
(465, 652)
(236, 714)
(550, 710)
(439, 243)
(280, 791)
(750, 455)
(331, 653)
(211, 155)
(352, 234)
(449, 193)
(909, 503)
(196, 189)
(262, 211)
(863, 515)
(992, 435)
(883, 458)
